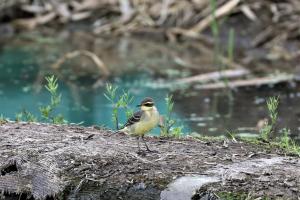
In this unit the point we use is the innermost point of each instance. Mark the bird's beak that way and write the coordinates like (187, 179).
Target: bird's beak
(138, 105)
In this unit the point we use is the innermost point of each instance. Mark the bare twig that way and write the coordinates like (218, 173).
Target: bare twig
(33, 22)
(99, 63)
(248, 12)
(223, 10)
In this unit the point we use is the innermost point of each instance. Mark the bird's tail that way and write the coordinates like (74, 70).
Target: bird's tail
(123, 130)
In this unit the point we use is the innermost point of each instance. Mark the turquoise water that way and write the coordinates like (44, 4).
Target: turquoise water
(21, 88)
(136, 66)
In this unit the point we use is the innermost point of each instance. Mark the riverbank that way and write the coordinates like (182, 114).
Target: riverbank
(41, 160)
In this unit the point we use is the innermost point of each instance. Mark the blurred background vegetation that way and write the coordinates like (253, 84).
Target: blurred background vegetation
(219, 59)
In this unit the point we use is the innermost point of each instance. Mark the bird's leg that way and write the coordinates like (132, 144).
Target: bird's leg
(138, 140)
(146, 145)
(140, 151)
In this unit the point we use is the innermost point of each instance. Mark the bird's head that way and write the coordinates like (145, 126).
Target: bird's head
(147, 104)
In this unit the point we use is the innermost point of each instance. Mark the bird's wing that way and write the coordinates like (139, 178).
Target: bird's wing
(134, 119)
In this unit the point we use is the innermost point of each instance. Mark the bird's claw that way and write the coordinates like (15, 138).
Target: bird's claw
(141, 152)
(152, 151)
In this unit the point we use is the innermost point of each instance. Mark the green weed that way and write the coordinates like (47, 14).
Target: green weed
(177, 131)
(238, 196)
(232, 135)
(118, 102)
(294, 148)
(25, 115)
(168, 122)
(47, 111)
(287, 143)
(167, 127)
(19, 117)
(284, 142)
(285, 139)
(29, 117)
(3, 119)
(272, 105)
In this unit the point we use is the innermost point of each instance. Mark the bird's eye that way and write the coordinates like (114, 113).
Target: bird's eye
(148, 104)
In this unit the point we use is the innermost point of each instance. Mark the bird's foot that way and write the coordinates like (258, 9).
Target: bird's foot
(121, 132)
(151, 151)
(141, 152)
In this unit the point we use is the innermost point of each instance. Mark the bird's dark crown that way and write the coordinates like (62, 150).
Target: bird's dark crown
(148, 101)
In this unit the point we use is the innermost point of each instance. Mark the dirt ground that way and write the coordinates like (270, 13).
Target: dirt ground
(39, 161)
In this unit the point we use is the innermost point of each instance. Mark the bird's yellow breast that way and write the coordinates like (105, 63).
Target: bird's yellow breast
(148, 122)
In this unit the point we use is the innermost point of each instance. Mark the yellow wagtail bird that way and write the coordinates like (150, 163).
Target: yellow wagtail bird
(142, 121)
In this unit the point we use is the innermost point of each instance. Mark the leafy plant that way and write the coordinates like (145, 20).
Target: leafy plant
(232, 136)
(167, 126)
(287, 143)
(118, 102)
(29, 117)
(294, 147)
(285, 139)
(272, 105)
(265, 132)
(19, 117)
(25, 115)
(168, 122)
(177, 131)
(47, 111)
(2, 119)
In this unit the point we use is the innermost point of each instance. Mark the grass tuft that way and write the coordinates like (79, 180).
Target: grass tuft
(167, 128)
(268, 129)
(47, 111)
(118, 102)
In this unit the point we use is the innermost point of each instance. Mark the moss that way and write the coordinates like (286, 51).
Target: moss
(232, 196)
(292, 148)
(162, 182)
(208, 138)
(238, 196)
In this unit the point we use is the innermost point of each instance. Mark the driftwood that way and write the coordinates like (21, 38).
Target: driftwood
(192, 17)
(71, 162)
(213, 76)
(99, 63)
(254, 82)
(227, 79)
(221, 11)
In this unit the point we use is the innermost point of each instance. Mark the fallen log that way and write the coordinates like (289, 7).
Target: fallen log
(214, 76)
(71, 162)
(254, 82)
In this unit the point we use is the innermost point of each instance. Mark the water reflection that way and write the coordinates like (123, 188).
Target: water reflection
(239, 112)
